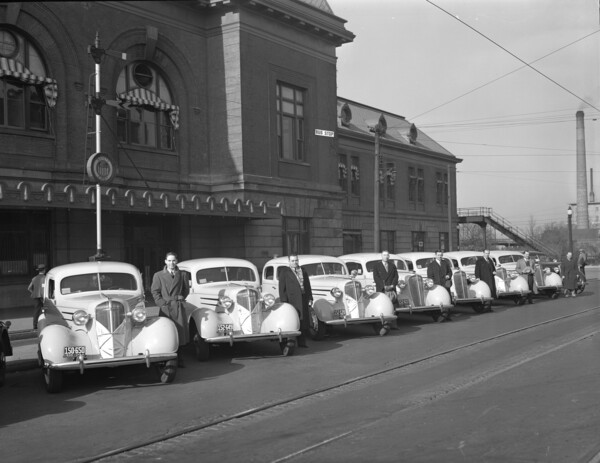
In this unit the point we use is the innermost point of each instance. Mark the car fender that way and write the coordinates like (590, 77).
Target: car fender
(282, 316)
(480, 289)
(553, 280)
(378, 304)
(437, 296)
(157, 335)
(206, 321)
(54, 338)
(324, 308)
(519, 284)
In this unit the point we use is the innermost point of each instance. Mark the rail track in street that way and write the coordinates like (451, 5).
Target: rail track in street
(136, 451)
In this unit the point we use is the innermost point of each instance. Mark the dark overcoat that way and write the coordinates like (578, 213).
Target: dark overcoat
(438, 272)
(484, 270)
(165, 290)
(385, 278)
(291, 292)
(569, 271)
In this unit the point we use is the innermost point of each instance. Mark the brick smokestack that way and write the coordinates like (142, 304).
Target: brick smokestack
(592, 195)
(583, 221)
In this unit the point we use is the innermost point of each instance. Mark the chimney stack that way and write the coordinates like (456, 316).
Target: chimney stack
(582, 204)
(592, 196)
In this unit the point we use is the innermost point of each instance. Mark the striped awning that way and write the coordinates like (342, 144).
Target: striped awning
(11, 68)
(143, 97)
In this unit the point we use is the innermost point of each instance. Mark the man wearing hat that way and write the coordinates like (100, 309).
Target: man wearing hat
(36, 288)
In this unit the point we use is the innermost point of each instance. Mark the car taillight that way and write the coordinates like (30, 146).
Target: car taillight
(81, 317)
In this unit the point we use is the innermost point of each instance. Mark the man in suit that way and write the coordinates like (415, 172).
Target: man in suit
(385, 275)
(169, 289)
(36, 290)
(524, 268)
(294, 288)
(485, 271)
(439, 271)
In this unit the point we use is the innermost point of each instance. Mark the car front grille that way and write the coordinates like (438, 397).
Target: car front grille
(250, 300)
(353, 289)
(461, 285)
(416, 289)
(111, 329)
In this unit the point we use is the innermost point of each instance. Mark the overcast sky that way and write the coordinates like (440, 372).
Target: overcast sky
(516, 134)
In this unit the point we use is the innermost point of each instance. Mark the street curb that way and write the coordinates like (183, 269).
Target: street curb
(21, 365)
(22, 334)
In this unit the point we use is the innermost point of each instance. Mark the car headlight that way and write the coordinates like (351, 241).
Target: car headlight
(269, 300)
(139, 315)
(556, 269)
(370, 290)
(336, 292)
(428, 282)
(81, 317)
(513, 275)
(225, 301)
(402, 284)
(472, 278)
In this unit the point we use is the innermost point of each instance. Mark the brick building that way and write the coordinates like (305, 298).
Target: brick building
(210, 129)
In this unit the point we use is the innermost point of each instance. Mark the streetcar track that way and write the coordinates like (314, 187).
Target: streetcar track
(281, 405)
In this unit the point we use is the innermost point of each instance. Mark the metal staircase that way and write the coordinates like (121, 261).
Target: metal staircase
(484, 216)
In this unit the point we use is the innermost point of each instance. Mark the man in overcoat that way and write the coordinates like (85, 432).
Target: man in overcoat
(36, 290)
(524, 268)
(294, 288)
(385, 275)
(568, 272)
(169, 290)
(485, 271)
(439, 271)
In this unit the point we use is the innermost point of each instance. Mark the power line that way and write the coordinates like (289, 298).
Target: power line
(513, 55)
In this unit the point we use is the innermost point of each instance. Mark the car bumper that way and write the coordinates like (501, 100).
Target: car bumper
(253, 337)
(473, 300)
(424, 308)
(358, 321)
(84, 364)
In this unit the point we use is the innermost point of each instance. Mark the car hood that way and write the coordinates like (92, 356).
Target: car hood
(329, 281)
(90, 301)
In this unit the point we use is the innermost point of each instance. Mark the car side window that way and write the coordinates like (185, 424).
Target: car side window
(505, 259)
(354, 266)
(268, 273)
(51, 287)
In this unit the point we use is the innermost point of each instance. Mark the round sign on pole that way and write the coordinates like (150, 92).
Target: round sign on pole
(100, 168)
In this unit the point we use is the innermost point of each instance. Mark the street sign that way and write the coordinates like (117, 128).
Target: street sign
(324, 133)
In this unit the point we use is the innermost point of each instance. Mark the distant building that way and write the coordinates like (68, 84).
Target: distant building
(213, 133)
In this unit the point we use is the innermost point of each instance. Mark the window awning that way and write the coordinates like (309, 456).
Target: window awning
(11, 68)
(143, 97)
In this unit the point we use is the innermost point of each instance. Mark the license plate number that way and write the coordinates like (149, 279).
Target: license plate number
(73, 351)
(403, 302)
(339, 313)
(223, 328)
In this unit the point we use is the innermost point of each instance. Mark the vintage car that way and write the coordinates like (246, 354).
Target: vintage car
(422, 292)
(547, 279)
(338, 299)
(511, 285)
(506, 258)
(225, 306)
(413, 294)
(5, 349)
(94, 316)
(467, 289)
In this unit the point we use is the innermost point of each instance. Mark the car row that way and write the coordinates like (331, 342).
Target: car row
(95, 313)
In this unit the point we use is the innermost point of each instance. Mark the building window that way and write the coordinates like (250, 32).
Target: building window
(24, 243)
(352, 241)
(420, 186)
(390, 182)
(387, 240)
(444, 242)
(355, 176)
(412, 184)
(343, 172)
(441, 188)
(151, 118)
(295, 236)
(290, 122)
(446, 189)
(418, 241)
(26, 92)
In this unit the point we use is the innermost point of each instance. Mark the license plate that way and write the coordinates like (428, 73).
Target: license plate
(74, 351)
(339, 313)
(223, 328)
(403, 302)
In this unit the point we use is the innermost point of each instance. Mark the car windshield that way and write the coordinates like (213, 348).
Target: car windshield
(505, 259)
(218, 274)
(470, 260)
(325, 268)
(90, 282)
(423, 263)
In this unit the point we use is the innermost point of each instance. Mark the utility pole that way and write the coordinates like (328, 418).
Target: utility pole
(100, 166)
(379, 129)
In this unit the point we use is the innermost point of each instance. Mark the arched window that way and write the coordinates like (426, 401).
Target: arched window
(25, 90)
(147, 118)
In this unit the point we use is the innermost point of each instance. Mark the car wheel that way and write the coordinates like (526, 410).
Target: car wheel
(316, 328)
(2, 366)
(53, 380)
(288, 347)
(201, 348)
(167, 371)
(478, 308)
(554, 295)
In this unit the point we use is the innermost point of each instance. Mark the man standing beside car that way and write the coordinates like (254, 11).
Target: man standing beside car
(294, 288)
(169, 290)
(440, 272)
(485, 270)
(385, 275)
(525, 269)
(36, 290)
